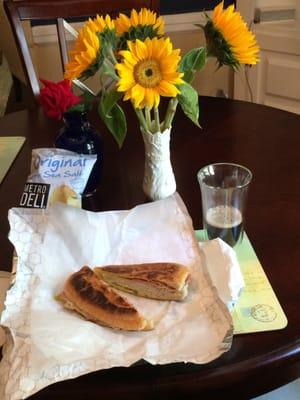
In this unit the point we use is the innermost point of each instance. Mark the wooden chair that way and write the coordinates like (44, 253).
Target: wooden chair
(58, 10)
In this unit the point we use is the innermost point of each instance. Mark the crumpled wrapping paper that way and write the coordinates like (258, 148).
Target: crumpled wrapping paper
(46, 343)
(224, 270)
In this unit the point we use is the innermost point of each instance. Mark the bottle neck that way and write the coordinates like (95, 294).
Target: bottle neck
(76, 120)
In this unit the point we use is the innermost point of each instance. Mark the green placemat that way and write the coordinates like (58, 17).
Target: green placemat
(9, 148)
(258, 308)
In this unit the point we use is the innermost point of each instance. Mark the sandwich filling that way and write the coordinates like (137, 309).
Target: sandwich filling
(163, 281)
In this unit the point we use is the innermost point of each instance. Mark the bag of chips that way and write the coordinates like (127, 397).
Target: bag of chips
(56, 175)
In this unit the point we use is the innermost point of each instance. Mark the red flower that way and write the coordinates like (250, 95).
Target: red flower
(57, 98)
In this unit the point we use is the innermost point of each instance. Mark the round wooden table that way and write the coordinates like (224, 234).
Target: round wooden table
(264, 139)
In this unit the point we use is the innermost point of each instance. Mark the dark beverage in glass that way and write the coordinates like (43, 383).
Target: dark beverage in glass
(224, 222)
(224, 188)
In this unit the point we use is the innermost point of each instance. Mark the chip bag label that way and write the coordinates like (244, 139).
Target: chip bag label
(35, 195)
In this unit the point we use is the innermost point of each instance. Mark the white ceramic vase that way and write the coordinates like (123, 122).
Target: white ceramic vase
(159, 181)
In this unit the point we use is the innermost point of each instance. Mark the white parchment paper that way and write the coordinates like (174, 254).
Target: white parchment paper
(47, 343)
(224, 270)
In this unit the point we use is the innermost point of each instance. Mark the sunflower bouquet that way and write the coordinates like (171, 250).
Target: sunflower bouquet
(136, 62)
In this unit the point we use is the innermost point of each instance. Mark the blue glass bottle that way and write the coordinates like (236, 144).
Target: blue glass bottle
(80, 136)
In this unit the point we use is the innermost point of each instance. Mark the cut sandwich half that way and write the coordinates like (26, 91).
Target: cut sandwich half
(161, 281)
(88, 295)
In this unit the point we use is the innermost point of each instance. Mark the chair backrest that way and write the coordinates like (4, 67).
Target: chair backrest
(58, 10)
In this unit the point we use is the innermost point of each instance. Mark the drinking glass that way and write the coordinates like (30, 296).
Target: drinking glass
(224, 189)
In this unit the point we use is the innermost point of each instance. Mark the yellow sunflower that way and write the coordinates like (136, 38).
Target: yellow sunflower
(99, 24)
(148, 71)
(84, 55)
(229, 38)
(145, 18)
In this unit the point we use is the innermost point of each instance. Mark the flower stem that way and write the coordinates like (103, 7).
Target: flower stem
(172, 106)
(156, 119)
(107, 84)
(110, 63)
(148, 117)
(111, 53)
(141, 118)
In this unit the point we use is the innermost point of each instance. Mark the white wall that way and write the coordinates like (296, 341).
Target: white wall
(271, 3)
(275, 80)
(247, 7)
(298, 10)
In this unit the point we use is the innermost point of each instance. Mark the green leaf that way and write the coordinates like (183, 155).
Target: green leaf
(80, 107)
(115, 121)
(194, 59)
(189, 75)
(191, 62)
(188, 100)
(109, 99)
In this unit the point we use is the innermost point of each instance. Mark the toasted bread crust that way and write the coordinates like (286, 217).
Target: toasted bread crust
(96, 301)
(92, 290)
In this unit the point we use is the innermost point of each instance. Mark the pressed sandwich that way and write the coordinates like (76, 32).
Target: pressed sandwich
(88, 295)
(161, 281)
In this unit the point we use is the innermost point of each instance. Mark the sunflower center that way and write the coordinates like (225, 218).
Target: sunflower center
(147, 73)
